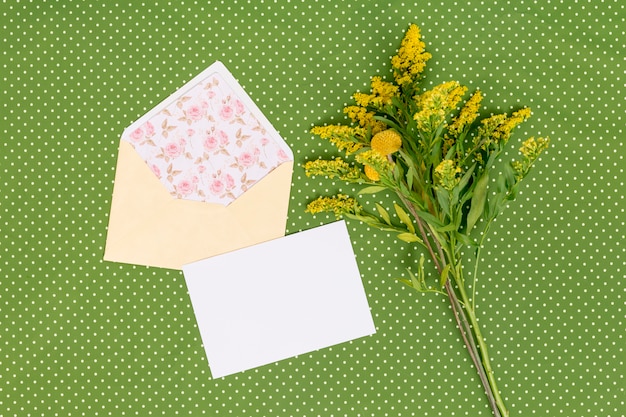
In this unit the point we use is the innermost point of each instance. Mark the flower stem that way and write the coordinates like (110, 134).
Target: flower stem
(470, 332)
(484, 354)
(470, 343)
(471, 335)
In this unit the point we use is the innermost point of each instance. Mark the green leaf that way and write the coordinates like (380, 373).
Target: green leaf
(416, 283)
(443, 197)
(388, 122)
(409, 237)
(444, 275)
(383, 213)
(464, 239)
(404, 218)
(450, 227)
(509, 175)
(464, 181)
(501, 184)
(430, 219)
(410, 176)
(478, 201)
(372, 190)
(406, 282)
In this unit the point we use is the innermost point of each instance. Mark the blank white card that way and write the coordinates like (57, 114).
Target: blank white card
(278, 299)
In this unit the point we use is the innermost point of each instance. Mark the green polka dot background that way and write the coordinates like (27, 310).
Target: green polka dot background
(84, 337)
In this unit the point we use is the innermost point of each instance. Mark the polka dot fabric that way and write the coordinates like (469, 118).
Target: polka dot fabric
(84, 337)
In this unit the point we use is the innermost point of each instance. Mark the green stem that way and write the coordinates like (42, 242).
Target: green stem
(470, 332)
(486, 361)
(470, 343)
(477, 261)
(468, 329)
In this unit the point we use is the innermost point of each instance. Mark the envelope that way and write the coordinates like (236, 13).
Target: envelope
(278, 299)
(201, 174)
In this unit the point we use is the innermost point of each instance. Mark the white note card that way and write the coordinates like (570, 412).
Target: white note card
(278, 299)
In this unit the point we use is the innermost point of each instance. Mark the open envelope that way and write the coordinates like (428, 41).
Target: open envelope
(201, 174)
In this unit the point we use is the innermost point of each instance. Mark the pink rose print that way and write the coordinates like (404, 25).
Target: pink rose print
(155, 169)
(282, 156)
(227, 112)
(230, 181)
(173, 149)
(210, 143)
(185, 187)
(247, 159)
(207, 145)
(149, 129)
(239, 107)
(217, 186)
(136, 135)
(195, 112)
(223, 136)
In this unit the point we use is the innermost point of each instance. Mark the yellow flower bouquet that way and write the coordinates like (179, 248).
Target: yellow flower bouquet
(433, 151)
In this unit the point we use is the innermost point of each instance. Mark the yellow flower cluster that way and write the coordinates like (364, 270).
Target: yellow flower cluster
(503, 131)
(446, 174)
(531, 149)
(466, 117)
(436, 104)
(343, 137)
(386, 142)
(383, 143)
(331, 169)
(498, 127)
(382, 94)
(339, 204)
(364, 118)
(375, 163)
(411, 59)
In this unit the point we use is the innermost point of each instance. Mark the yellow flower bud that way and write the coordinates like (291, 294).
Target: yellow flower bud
(386, 142)
(371, 173)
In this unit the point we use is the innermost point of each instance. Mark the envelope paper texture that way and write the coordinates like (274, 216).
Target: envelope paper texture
(203, 173)
(278, 299)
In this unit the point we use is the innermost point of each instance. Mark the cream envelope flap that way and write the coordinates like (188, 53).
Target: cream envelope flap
(151, 225)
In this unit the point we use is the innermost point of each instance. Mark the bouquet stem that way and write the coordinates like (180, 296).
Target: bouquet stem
(469, 329)
(472, 336)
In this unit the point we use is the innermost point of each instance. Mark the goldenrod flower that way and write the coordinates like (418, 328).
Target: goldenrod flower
(343, 137)
(531, 149)
(386, 142)
(485, 134)
(382, 94)
(364, 118)
(497, 128)
(466, 117)
(331, 169)
(383, 89)
(339, 204)
(411, 59)
(436, 104)
(503, 132)
(446, 174)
